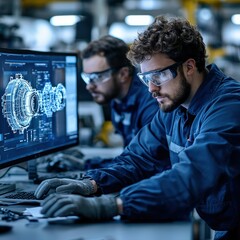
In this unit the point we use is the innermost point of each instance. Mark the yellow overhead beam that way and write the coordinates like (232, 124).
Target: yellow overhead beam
(41, 3)
(190, 7)
(218, 1)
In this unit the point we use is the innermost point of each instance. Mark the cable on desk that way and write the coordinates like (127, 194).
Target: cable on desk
(9, 168)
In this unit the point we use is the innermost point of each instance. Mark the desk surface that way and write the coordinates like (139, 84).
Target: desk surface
(101, 152)
(115, 230)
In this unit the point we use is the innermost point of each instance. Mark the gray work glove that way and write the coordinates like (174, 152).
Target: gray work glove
(83, 187)
(74, 163)
(92, 208)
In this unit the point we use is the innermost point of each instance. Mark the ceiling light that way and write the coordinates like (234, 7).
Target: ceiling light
(139, 20)
(64, 20)
(236, 19)
(125, 32)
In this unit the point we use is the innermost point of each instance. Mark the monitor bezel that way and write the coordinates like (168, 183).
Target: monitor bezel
(59, 148)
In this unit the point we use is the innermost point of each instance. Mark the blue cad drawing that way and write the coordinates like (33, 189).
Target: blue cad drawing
(21, 102)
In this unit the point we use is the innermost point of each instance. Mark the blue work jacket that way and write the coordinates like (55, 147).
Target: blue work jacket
(202, 146)
(134, 111)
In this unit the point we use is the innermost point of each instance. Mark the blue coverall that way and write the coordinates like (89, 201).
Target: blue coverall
(202, 145)
(134, 111)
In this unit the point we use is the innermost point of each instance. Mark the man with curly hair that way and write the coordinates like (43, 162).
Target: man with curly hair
(197, 131)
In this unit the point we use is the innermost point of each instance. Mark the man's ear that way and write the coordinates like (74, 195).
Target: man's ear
(189, 67)
(124, 74)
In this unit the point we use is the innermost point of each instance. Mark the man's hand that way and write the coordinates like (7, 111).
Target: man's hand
(93, 208)
(83, 187)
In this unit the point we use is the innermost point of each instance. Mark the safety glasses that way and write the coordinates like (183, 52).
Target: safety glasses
(97, 77)
(159, 76)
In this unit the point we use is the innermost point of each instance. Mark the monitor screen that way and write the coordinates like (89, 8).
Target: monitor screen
(39, 112)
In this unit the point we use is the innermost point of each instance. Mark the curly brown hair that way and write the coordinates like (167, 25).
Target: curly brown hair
(173, 36)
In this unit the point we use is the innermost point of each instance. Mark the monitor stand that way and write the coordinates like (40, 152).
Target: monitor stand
(32, 170)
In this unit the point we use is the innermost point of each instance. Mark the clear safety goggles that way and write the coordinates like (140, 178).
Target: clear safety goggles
(159, 76)
(97, 77)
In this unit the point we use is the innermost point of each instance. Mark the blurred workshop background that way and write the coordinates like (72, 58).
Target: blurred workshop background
(58, 25)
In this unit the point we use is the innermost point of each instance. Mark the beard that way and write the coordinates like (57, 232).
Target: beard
(102, 98)
(177, 98)
(109, 93)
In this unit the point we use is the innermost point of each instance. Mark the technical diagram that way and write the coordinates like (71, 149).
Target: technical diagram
(21, 102)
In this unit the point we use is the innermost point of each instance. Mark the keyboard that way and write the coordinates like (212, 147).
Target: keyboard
(19, 197)
(22, 195)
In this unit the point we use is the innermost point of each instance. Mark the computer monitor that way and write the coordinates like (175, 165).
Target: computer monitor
(39, 112)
